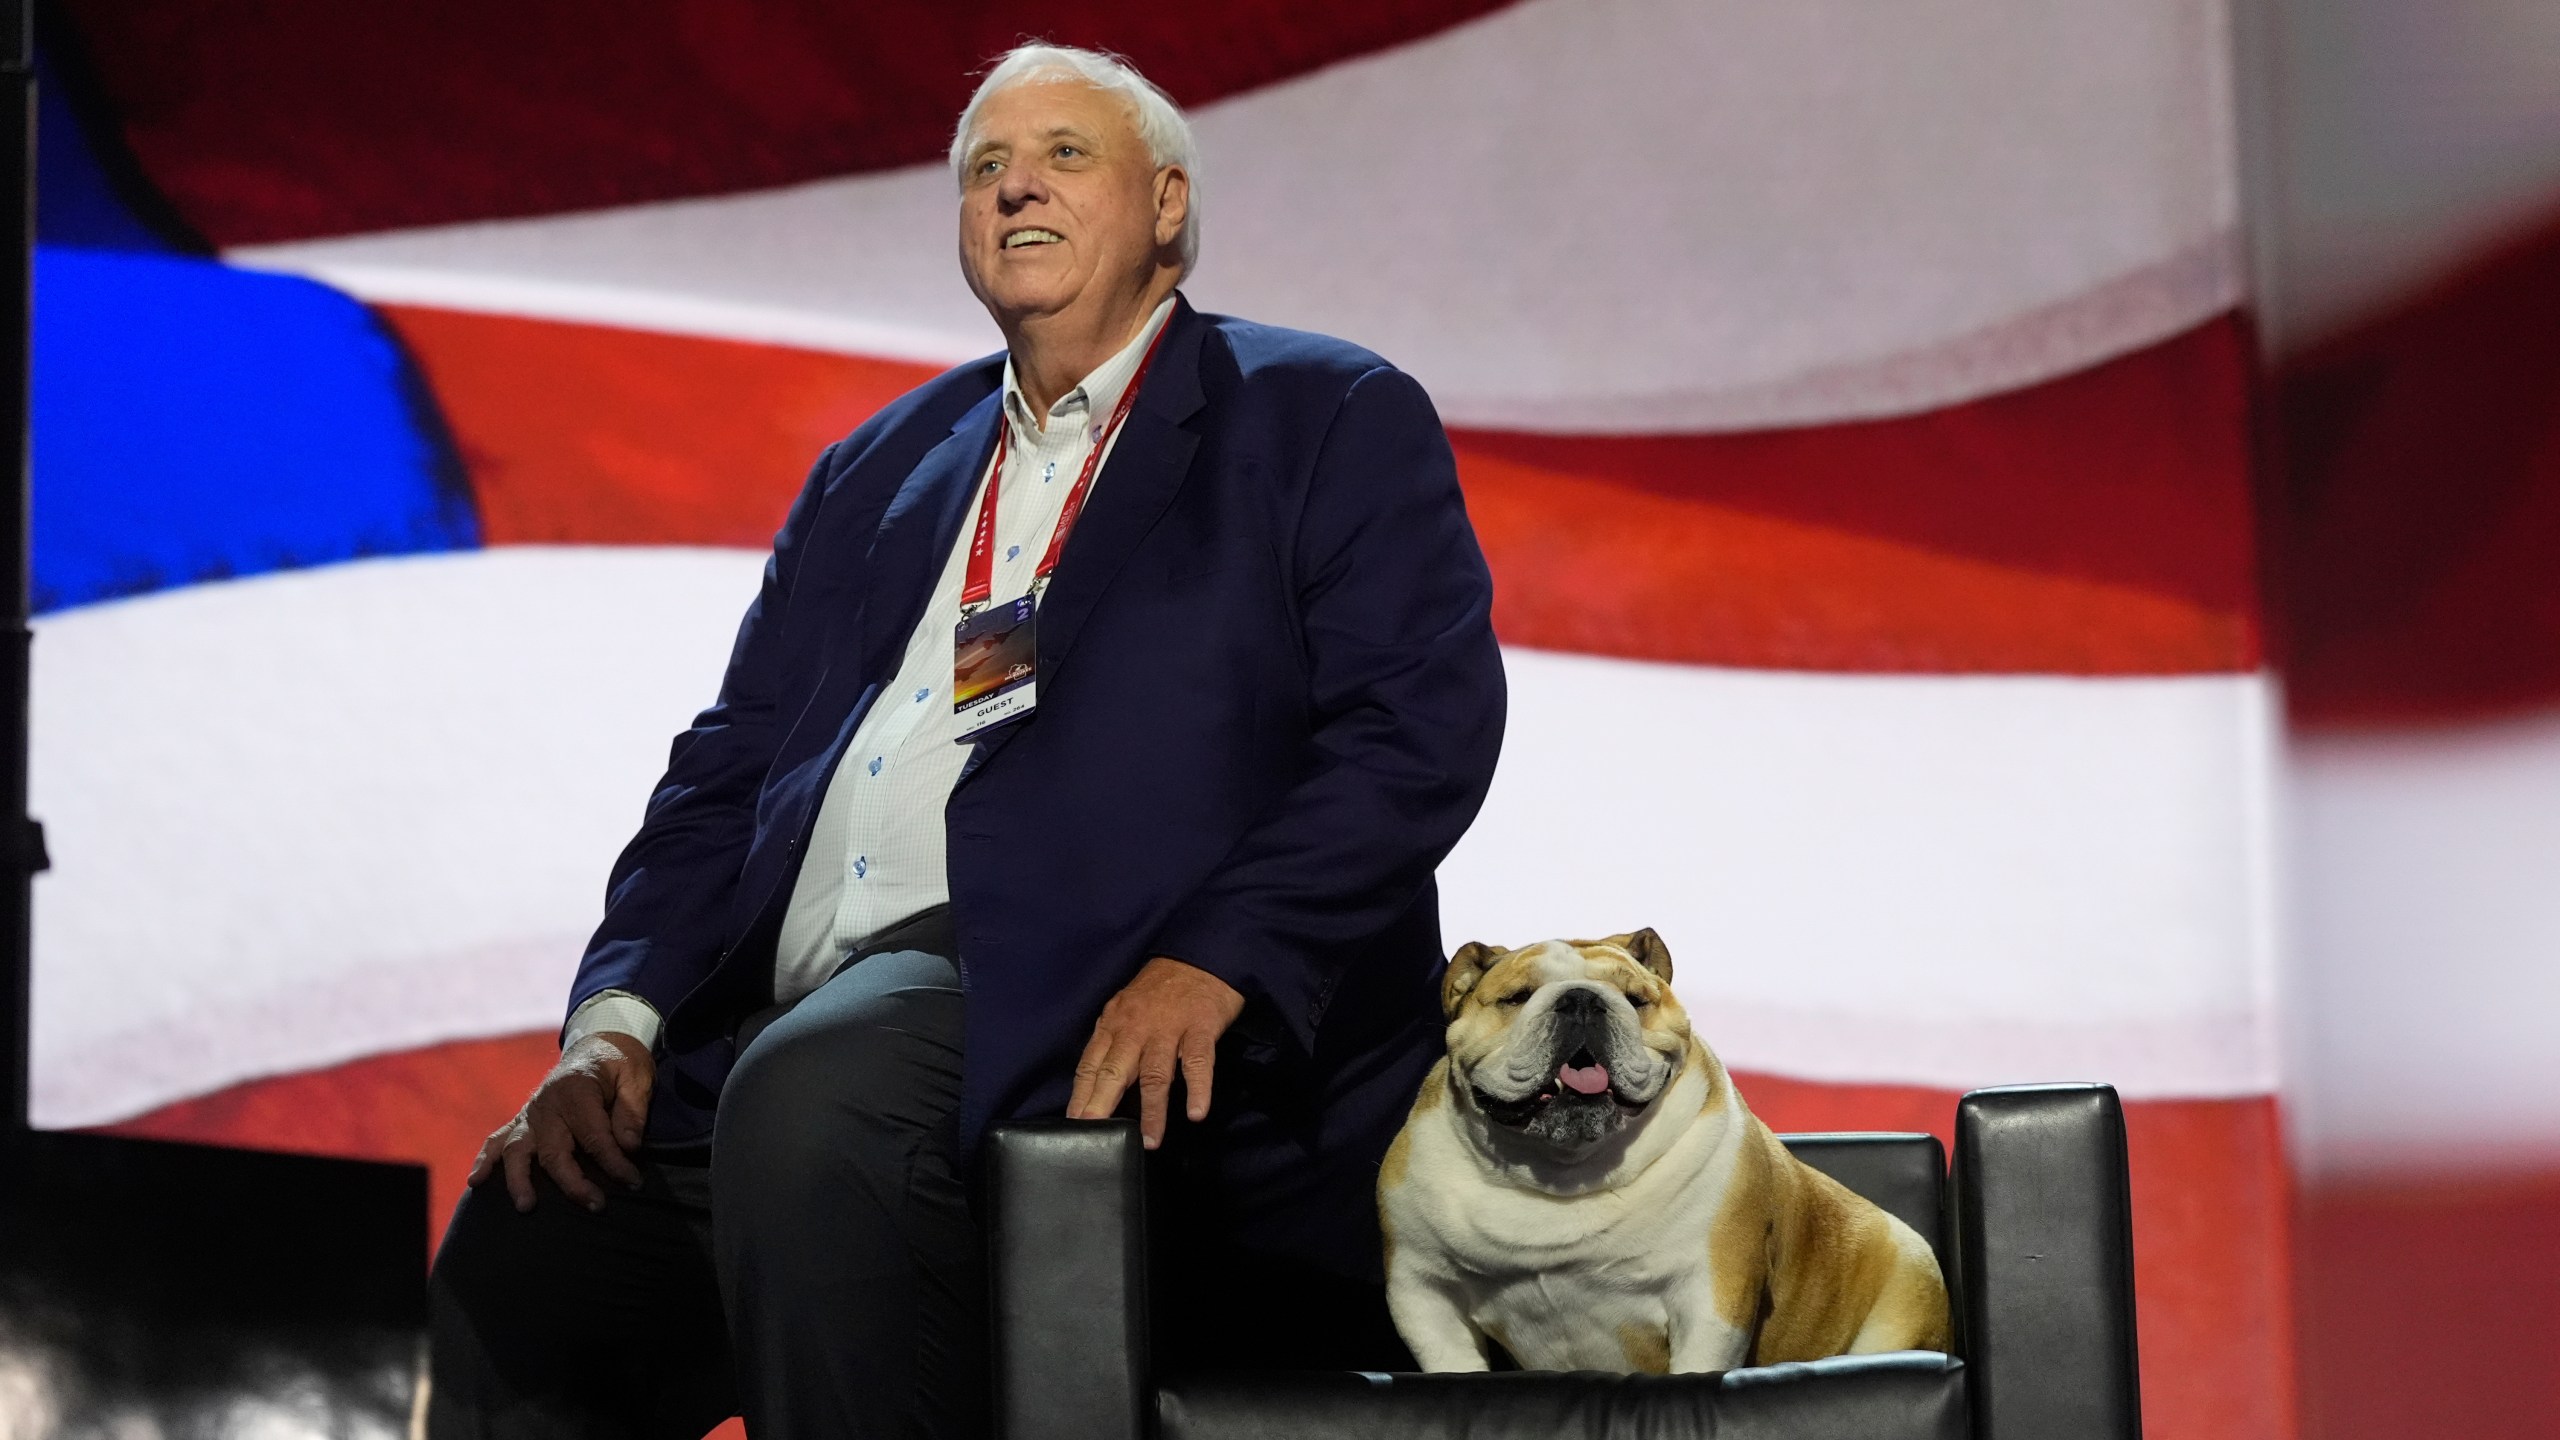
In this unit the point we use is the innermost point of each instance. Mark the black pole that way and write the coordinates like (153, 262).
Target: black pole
(21, 849)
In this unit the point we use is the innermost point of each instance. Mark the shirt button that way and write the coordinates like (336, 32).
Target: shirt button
(923, 694)
(861, 866)
(1012, 552)
(875, 763)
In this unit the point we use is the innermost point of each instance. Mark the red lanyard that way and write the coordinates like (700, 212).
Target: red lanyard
(979, 585)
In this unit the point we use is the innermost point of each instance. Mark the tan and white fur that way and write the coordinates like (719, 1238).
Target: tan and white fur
(1580, 1183)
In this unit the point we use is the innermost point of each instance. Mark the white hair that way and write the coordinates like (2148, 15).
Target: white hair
(1158, 120)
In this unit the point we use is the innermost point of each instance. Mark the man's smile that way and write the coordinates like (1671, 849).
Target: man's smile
(1015, 240)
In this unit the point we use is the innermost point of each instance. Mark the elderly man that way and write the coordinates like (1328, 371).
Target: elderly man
(1105, 711)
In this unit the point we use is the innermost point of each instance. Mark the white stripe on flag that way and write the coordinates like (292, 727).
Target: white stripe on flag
(1954, 880)
(2427, 928)
(1569, 215)
(306, 817)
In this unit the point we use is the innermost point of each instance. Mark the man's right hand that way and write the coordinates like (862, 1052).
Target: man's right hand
(596, 1100)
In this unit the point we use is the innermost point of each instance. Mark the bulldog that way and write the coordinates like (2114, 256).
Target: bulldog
(1580, 1183)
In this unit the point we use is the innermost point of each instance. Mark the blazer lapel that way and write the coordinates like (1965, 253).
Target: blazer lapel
(916, 534)
(1139, 478)
(896, 577)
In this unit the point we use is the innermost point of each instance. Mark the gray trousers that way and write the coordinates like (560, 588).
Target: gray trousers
(821, 1275)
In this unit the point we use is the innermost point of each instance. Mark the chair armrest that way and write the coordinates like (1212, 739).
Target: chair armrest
(2044, 1242)
(1067, 1275)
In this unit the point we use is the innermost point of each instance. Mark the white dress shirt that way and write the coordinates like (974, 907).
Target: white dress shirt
(877, 853)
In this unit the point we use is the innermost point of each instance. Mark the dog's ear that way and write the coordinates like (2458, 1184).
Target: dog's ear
(1465, 969)
(1648, 950)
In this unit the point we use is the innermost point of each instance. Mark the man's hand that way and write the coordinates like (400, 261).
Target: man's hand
(595, 1099)
(1170, 1014)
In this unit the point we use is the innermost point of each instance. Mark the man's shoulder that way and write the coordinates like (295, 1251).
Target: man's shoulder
(1274, 353)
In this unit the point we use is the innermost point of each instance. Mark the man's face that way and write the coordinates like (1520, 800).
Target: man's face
(1060, 201)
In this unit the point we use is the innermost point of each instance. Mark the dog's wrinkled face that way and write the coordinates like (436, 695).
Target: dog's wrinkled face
(1564, 1041)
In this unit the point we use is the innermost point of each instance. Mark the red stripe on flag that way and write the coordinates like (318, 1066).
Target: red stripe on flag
(2427, 1306)
(1583, 564)
(2209, 1194)
(2133, 472)
(292, 118)
(2097, 524)
(586, 434)
(2421, 480)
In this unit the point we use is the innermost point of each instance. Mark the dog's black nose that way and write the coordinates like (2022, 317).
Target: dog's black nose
(1578, 1004)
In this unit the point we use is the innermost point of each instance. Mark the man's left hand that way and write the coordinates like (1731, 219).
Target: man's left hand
(1170, 1014)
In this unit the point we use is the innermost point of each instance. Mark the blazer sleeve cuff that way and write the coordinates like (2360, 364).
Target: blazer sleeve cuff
(1275, 988)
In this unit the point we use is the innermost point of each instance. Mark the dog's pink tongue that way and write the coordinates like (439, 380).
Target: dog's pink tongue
(1589, 1080)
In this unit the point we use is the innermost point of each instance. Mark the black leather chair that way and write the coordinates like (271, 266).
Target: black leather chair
(2032, 1227)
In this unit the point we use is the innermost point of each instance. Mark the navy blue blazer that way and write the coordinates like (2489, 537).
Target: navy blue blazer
(1270, 702)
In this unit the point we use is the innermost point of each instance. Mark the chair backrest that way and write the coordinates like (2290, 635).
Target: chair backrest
(2044, 1276)
(1904, 1174)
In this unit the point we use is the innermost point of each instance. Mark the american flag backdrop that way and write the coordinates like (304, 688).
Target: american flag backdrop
(1851, 400)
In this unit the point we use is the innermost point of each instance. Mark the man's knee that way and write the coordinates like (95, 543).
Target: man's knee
(499, 1296)
(875, 1079)
(497, 1258)
(559, 1312)
(516, 1277)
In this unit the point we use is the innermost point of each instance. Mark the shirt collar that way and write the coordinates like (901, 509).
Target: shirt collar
(1100, 391)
